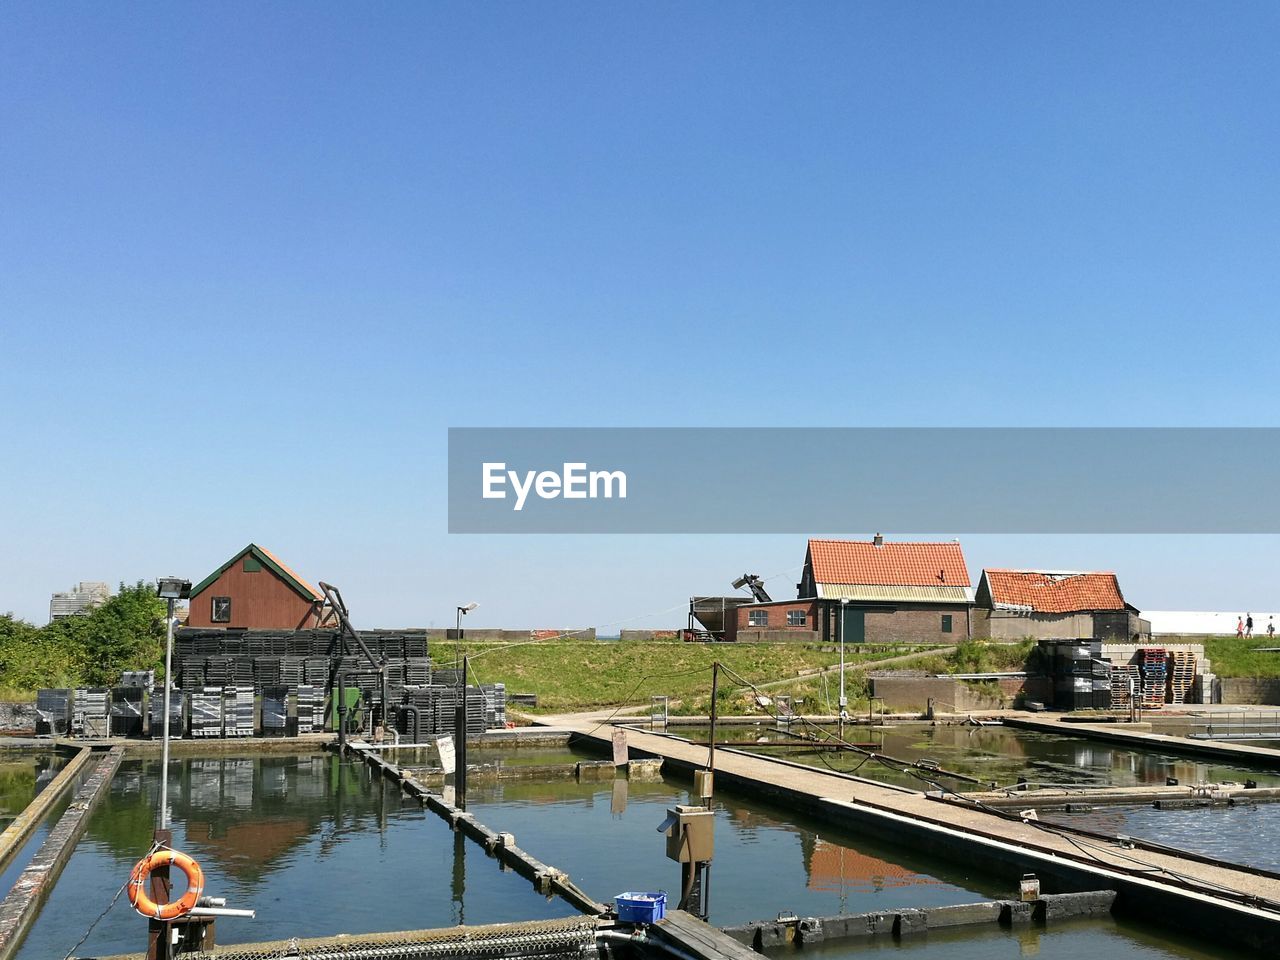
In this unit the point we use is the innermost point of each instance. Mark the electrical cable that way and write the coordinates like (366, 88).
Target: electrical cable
(1141, 868)
(156, 845)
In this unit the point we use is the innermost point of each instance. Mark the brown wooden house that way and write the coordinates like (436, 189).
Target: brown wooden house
(255, 590)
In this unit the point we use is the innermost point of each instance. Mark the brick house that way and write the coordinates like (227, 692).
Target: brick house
(875, 591)
(255, 590)
(1046, 604)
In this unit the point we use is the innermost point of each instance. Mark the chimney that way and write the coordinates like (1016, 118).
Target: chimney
(878, 541)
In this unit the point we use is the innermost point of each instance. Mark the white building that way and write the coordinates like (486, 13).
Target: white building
(1208, 622)
(84, 596)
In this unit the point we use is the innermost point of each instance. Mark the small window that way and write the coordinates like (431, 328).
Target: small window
(796, 618)
(758, 618)
(221, 610)
(946, 623)
(252, 564)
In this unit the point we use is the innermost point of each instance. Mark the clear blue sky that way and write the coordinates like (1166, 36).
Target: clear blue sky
(256, 259)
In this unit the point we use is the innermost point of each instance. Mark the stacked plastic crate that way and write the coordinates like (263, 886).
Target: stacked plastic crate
(138, 678)
(126, 711)
(89, 712)
(157, 713)
(275, 710)
(237, 712)
(206, 712)
(53, 712)
(1153, 664)
(310, 708)
(1124, 677)
(1182, 676)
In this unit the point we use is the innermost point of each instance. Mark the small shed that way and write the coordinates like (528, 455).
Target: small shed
(1048, 604)
(257, 591)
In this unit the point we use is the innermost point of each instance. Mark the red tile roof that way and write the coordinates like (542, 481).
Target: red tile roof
(306, 587)
(893, 563)
(1048, 592)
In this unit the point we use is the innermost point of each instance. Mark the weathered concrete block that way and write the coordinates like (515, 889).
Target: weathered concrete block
(774, 935)
(809, 931)
(910, 922)
(1061, 906)
(745, 934)
(1014, 912)
(650, 769)
(595, 769)
(963, 914)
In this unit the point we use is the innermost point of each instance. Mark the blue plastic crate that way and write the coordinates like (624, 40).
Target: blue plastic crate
(641, 907)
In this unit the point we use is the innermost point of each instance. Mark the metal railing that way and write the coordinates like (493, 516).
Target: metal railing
(1237, 725)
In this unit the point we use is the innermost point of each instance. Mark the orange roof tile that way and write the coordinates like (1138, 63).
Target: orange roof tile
(1044, 591)
(287, 569)
(893, 563)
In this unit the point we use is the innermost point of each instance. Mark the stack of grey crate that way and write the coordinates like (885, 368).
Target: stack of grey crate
(495, 705)
(53, 712)
(310, 707)
(237, 712)
(431, 710)
(206, 712)
(90, 715)
(146, 679)
(175, 713)
(275, 711)
(126, 711)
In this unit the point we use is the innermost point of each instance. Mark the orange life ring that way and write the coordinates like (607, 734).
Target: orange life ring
(165, 911)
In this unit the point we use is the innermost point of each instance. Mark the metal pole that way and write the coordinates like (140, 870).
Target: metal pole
(164, 748)
(460, 773)
(843, 701)
(715, 687)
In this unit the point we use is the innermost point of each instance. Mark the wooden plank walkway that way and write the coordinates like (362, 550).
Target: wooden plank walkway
(1235, 901)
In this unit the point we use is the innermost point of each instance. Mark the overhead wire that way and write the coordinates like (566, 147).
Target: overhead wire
(1140, 867)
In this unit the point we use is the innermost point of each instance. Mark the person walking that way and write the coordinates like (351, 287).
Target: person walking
(1248, 624)
(1271, 627)
(1240, 628)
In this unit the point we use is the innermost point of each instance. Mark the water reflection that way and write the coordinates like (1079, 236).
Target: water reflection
(767, 859)
(997, 755)
(316, 845)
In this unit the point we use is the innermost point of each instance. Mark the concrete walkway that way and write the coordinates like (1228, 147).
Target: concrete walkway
(971, 835)
(1139, 736)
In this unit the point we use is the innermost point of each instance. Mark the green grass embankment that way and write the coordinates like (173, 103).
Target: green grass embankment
(1232, 657)
(585, 675)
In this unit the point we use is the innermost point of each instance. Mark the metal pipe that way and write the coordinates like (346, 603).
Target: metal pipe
(164, 747)
(220, 912)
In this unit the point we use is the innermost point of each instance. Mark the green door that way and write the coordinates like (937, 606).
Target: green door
(855, 625)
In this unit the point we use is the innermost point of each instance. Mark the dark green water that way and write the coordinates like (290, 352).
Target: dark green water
(318, 846)
(996, 754)
(1078, 940)
(1243, 834)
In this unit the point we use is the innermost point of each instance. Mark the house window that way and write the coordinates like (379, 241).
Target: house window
(221, 610)
(757, 618)
(796, 618)
(946, 623)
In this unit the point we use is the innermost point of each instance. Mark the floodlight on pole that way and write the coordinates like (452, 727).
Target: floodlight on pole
(844, 701)
(170, 590)
(457, 635)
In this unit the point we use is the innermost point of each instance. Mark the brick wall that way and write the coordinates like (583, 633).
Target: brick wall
(910, 693)
(1250, 690)
(776, 624)
(916, 625)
